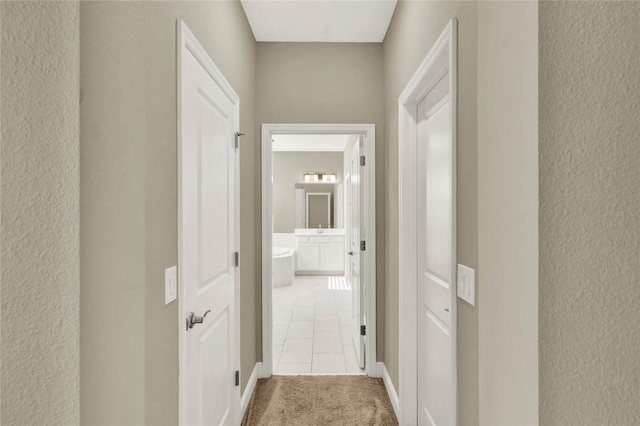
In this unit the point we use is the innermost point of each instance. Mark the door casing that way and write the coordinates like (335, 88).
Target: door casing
(440, 61)
(368, 132)
(352, 204)
(187, 44)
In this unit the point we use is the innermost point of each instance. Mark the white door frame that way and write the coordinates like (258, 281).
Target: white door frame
(442, 59)
(188, 44)
(368, 131)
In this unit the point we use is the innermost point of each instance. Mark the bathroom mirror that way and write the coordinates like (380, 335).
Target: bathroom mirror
(318, 210)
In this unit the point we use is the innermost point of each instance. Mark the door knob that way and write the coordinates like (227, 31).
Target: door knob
(350, 253)
(193, 319)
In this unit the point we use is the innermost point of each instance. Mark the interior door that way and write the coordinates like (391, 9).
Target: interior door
(354, 191)
(207, 215)
(435, 206)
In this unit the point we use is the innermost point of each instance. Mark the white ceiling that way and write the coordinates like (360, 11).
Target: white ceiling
(357, 21)
(316, 143)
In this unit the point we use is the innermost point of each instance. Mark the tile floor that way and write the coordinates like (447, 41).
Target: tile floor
(312, 327)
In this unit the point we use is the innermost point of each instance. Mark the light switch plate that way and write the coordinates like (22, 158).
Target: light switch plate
(467, 284)
(170, 284)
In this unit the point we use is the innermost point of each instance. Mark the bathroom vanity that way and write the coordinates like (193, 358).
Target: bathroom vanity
(320, 251)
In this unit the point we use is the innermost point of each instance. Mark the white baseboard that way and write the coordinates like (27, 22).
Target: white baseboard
(262, 371)
(379, 370)
(251, 386)
(393, 395)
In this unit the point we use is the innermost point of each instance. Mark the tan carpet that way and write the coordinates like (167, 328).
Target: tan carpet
(319, 400)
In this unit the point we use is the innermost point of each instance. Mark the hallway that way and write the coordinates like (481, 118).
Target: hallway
(312, 327)
(546, 174)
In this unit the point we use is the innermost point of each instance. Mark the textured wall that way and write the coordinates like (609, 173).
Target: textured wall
(40, 278)
(414, 29)
(326, 83)
(129, 199)
(589, 213)
(508, 212)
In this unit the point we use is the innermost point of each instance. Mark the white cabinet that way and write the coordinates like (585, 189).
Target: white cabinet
(307, 257)
(332, 256)
(320, 254)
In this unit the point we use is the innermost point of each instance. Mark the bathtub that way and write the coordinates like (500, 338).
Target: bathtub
(282, 267)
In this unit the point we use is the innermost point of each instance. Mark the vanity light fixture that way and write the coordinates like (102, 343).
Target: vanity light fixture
(319, 177)
(328, 177)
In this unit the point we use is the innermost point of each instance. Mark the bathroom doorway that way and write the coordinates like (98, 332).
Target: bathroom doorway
(318, 250)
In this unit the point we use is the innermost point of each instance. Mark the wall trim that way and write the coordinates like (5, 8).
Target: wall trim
(380, 369)
(368, 131)
(439, 62)
(251, 387)
(261, 371)
(391, 390)
(187, 44)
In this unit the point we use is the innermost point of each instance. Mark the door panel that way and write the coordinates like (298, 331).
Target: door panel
(213, 238)
(435, 382)
(214, 377)
(207, 163)
(435, 174)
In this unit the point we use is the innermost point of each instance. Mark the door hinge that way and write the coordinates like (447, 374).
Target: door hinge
(363, 245)
(237, 378)
(236, 259)
(238, 134)
(363, 330)
(363, 160)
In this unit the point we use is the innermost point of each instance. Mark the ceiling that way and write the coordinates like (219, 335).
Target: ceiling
(338, 21)
(316, 143)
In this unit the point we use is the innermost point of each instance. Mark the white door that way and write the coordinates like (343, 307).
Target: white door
(354, 200)
(436, 402)
(347, 220)
(207, 221)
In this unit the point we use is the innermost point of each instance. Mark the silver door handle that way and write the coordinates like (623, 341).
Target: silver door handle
(350, 253)
(193, 319)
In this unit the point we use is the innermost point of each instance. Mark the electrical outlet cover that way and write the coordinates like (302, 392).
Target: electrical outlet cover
(467, 284)
(170, 284)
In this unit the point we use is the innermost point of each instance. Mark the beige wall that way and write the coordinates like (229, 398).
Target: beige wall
(288, 168)
(589, 213)
(508, 212)
(129, 199)
(113, 136)
(40, 276)
(413, 31)
(327, 83)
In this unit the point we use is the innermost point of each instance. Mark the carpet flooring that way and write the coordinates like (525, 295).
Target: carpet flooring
(319, 400)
